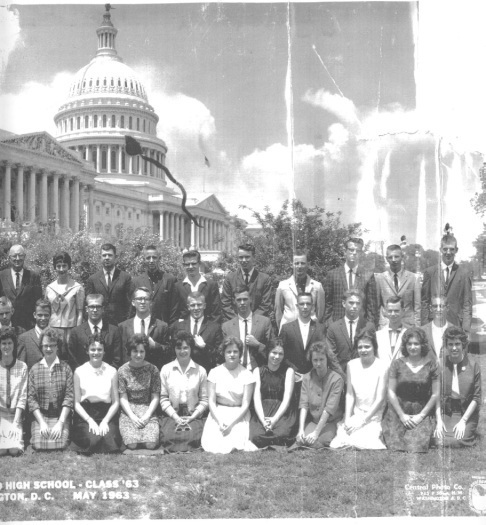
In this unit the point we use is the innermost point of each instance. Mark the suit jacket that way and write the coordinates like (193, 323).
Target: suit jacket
(117, 302)
(28, 349)
(209, 356)
(261, 329)
(77, 353)
(24, 299)
(336, 283)
(158, 331)
(427, 328)
(384, 348)
(296, 352)
(286, 300)
(339, 341)
(210, 290)
(408, 291)
(458, 292)
(260, 293)
(165, 304)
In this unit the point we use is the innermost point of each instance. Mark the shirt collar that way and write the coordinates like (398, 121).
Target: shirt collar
(242, 319)
(99, 325)
(250, 273)
(444, 266)
(21, 272)
(347, 268)
(201, 279)
(176, 365)
(199, 321)
(44, 362)
(145, 320)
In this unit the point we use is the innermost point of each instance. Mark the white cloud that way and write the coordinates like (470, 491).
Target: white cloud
(9, 22)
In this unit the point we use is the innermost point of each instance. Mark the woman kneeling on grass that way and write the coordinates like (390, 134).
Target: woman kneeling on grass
(96, 403)
(274, 417)
(230, 387)
(319, 400)
(50, 395)
(461, 392)
(365, 397)
(139, 389)
(184, 397)
(13, 394)
(413, 389)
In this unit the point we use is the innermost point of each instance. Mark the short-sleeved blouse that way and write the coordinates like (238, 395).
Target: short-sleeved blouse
(66, 302)
(230, 384)
(95, 383)
(139, 383)
(13, 386)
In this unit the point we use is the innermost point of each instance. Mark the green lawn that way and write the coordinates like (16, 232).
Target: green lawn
(264, 484)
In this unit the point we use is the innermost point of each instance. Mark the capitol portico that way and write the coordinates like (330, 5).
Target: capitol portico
(83, 178)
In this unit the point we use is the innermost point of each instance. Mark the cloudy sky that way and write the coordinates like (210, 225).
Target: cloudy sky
(381, 95)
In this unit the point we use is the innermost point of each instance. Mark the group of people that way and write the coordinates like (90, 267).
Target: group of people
(149, 363)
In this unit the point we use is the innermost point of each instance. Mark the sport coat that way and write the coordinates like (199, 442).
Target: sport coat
(385, 352)
(24, 299)
(211, 332)
(261, 329)
(339, 341)
(209, 289)
(408, 291)
(28, 349)
(336, 283)
(158, 331)
(427, 328)
(77, 353)
(165, 304)
(286, 300)
(296, 352)
(117, 302)
(458, 291)
(260, 286)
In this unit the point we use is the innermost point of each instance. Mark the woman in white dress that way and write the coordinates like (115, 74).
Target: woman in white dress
(365, 397)
(230, 390)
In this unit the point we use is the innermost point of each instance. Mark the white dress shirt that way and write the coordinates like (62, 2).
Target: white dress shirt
(137, 325)
(304, 330)
(195, 287)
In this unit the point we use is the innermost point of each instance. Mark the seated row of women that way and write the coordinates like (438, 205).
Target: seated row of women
(271, 407)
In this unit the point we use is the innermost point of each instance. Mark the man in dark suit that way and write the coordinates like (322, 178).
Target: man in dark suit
(259, 284)
(207, 334)
(452, 280)
(298, 336)
(28, 349)
(196, 282)
(21, 286)
(113, 284)
(79, 337)
(144, 323)
(341, 333)
(253, 329)
(161, 284)
(348, 276)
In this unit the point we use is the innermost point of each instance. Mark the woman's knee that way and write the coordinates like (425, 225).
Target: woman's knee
(132, 446)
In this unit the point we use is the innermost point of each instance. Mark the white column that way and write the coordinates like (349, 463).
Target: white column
(98, 158)
(20, 193)
(108, 160)
(90, 207)
(161, 225)
(65, 202)
(130, 165)
(7, 192)
(43, 197)
(140, 164)
(176, 229)
(183, 227)
(192, 240)
(31, 204)
(81, 214)
(55, 197)
(120, 152)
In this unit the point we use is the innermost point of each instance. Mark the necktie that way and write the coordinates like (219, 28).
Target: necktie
(447, 276)
(245, 350)
(350, 282)
(455, 382)
(142, 326)
(97, 330)
(108, 276)
(351, 331)
(247, 278)
(17, 280)
(395, 280)
(194, 332)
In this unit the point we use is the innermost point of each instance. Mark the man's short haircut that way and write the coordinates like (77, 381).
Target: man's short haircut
(108, 247)
(16, 246)
(242, 289)
(351, 293)
(44, 304)
(395, 299)
(95, 297)
(443, 299)
(196, 296)
(247, 247)
(393, 247)
(300, 253)
(143, 289)
(5, 301)
(191, 253)
(150, 247)
(448, 239)
(355, 240)
(305, 294)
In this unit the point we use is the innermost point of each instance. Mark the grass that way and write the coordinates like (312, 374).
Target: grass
(264, 484)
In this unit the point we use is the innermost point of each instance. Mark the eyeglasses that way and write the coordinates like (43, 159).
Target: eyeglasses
(142, 299)
(53, 345)
(94, 306)
(438, 306)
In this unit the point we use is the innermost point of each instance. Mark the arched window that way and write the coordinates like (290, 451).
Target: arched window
(129, 122)
(104, 121)
(113, 160)
(71, 123)
(103, 159)
(98, 228)
(78, 123)
(113, 121)
(123, 161)
(108, 229)
(138, 124)
(122, 121)
(95, 121)
(86, 121)
(94, 157)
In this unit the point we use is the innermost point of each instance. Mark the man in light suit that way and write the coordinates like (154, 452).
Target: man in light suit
(350, 276)
(389, 338)
(288, 290)
(113, 284)
(144, 323)
(399, 282)
(161, 284)
(28, 349)
(21, 286)
(253, 329)
(439, 324)
(298, 336)
(79, 337)
(259, 284)
(341, 333)
(207, 334)
(452, 280)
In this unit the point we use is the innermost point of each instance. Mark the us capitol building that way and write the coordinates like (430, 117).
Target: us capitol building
(83, 177)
